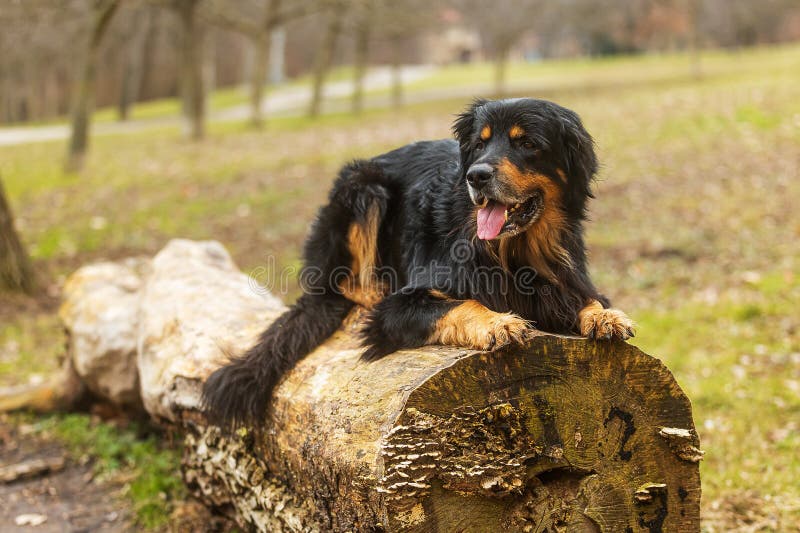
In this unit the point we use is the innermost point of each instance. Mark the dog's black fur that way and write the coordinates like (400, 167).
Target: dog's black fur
(417, 197)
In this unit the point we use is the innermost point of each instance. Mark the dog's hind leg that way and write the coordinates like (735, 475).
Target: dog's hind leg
(340, 254)
(344, 243)
(416, 317)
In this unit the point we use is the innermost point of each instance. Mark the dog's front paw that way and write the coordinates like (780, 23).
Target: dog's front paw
(599, 323)
(472, 325)
(501, 330)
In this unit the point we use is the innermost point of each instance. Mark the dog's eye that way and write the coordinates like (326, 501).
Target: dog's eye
(480, 145)
(528, 145)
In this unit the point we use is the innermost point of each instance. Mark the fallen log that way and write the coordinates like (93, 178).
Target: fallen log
(562, 434)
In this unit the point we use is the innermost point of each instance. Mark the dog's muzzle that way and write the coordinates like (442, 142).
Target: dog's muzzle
(478, 199)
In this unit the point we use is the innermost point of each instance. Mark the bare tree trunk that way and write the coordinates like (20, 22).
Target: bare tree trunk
(360, 57)
(84, 88)
(31, 102)
(263, 45)
(277, 53)
(134, 63)
(209, 55)
(398, 98)
(192, 90)
(500, 69)
(150, 50)
(16, 272)
(694, 39)
(324, 58)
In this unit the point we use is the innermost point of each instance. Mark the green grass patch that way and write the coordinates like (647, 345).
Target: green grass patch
(29, 346)
(738, 366)
(151, 466)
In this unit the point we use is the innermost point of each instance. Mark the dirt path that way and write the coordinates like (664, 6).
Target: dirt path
(67, 499)
(287, 101)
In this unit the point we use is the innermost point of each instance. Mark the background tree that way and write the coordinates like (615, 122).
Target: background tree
(693, 8)
(364, 21)
(502, 24)
(269, 15)
(323, 59)
(38, 77)
(102, 13)
(399, 25)
(262, 43)
(192, 88)
(16, 272)
(37, 57)
(140, 34)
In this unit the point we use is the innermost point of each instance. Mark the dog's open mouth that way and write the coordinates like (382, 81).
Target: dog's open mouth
(496, 219)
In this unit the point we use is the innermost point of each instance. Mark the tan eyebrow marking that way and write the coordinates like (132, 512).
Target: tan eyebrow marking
(516, 132)
(486, 133)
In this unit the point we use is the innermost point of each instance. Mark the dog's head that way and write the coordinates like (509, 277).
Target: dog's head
(524, 162)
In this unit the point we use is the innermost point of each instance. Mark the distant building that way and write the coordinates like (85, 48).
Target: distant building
(453, 42)
(454, 45)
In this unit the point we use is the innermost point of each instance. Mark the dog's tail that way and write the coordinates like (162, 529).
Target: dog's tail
(238, 393)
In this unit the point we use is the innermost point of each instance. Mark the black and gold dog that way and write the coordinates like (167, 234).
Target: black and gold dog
(472, 242)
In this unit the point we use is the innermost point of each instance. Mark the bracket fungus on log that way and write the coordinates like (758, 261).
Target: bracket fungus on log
(563, 434)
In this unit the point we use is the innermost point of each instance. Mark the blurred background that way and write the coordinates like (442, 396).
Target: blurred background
(124, 123)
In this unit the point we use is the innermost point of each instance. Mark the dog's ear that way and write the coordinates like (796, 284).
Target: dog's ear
(579, 158)
(464, 127)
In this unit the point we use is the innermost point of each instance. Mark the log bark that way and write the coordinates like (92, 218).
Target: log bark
(561, 435)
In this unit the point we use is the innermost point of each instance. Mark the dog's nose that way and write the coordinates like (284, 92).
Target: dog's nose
(479, 175)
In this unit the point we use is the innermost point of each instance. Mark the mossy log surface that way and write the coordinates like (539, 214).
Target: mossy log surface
(563, 434)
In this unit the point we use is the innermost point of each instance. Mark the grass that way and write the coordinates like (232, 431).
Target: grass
(738, 363)
(28, 340)
(695, 231)
(150, 466)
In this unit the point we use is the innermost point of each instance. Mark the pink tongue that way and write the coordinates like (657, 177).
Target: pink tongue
(490, 220)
